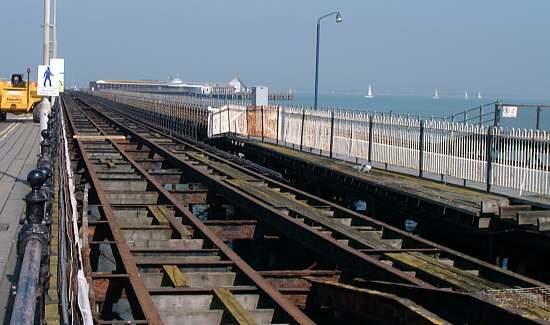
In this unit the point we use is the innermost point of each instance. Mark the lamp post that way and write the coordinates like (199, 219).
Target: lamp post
(338, 20)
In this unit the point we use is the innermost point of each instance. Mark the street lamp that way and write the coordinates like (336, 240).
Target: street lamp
(338, 20)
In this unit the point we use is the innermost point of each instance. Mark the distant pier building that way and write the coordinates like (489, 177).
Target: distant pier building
(235, 89)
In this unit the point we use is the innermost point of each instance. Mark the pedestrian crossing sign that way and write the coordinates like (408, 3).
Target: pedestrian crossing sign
(47, 81)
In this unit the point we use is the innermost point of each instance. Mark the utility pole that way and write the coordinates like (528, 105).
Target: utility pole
(46, 44)
(45, 108)
(54, 30)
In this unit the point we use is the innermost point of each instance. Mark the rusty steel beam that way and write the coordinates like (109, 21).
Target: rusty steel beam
(144, 299)
(372, 305)
(486, 311)
(512, 278)
(358, 264)
(297, 315)
(349, 258)
(233, 229)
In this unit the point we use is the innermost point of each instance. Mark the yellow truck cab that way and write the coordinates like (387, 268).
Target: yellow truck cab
(18, 97)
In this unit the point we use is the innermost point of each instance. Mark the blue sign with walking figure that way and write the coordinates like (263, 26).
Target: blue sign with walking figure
(48, 83)
(47, 76)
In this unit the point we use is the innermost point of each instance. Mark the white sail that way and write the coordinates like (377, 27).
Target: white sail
(479, 95)
(370, 94)
(436, 95)
(465, 94)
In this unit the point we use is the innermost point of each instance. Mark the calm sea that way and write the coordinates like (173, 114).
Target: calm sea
(427, 106)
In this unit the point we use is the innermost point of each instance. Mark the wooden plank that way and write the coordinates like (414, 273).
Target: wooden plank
(85, 137)
(510, 212)
(158, 215)
(543, 223)
(176, 275)
(531, 217)
(416, 261)
(457, 198)
(233, 307)
(483, 223)
(489, 206)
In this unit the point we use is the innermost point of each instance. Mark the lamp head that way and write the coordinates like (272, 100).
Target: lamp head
(338, 17)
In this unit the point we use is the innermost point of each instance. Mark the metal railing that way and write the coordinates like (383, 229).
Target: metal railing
(482, 114)
(51, 199)
(34, 238)
(492, 113)
(476, 152)
(510, 158)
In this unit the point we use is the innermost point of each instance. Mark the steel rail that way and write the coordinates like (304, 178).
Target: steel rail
(143, 297)
(345, 256)
(235, 194)
(514, 279)
(293, 312)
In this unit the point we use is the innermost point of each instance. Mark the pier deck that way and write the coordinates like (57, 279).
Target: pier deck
(19, 146)
(464, 200)
(490, 226)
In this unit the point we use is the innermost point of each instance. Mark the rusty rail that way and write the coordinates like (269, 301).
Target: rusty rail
(129, 261)
(363, 261)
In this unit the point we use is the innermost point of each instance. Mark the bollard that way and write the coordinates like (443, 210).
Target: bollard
(45, 145)
(35, 208)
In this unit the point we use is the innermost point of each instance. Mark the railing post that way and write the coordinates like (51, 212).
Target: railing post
(480, 114)
(278, 113)
(331, 132)
(302, 132)
(497, 113)
(538, 118)
(489, 149)
(262, 115)
(228, 120)
(370, 138)
(421, 150)
(247, 128)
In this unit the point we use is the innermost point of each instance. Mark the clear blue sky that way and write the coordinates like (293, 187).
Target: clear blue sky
(498, 46)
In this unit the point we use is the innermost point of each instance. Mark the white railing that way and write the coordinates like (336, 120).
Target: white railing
(515, 159)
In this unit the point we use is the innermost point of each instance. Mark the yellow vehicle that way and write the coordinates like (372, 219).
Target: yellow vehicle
(18, 97)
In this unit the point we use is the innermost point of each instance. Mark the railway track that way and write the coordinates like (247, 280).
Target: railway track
(147, 223)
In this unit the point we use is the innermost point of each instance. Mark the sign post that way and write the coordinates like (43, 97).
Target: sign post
(48, 87)
(48, 84)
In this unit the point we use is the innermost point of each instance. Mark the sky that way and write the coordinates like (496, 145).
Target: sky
(499, 47)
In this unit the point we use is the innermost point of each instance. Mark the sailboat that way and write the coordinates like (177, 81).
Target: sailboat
(479, 95)
(370, 93)
(436, 96)
(465, 95)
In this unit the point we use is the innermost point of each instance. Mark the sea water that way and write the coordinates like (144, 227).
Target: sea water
(430, 107)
